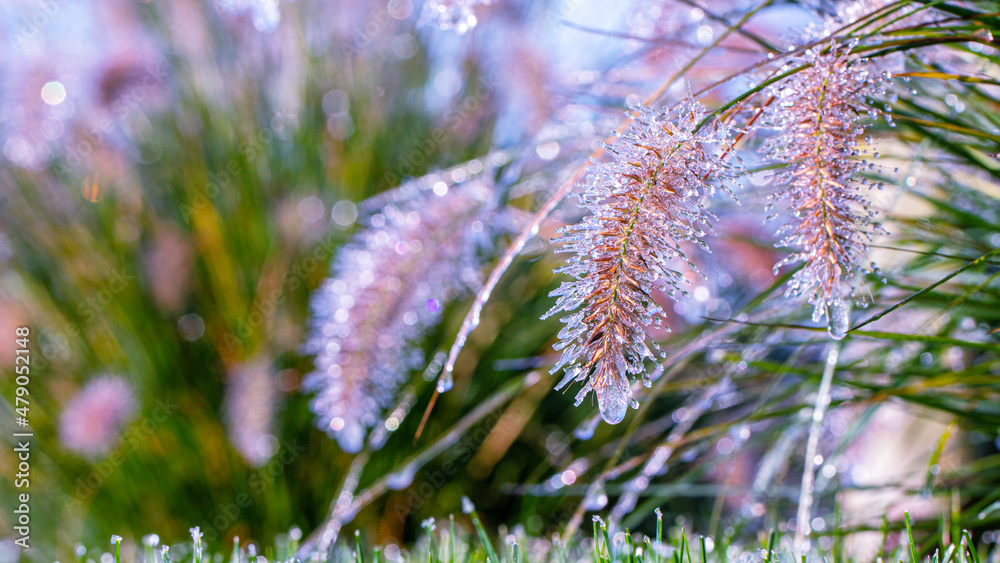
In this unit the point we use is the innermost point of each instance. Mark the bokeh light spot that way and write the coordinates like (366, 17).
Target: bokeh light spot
(53, 93)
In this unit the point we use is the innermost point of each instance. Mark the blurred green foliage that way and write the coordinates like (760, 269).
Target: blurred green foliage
(200, 215)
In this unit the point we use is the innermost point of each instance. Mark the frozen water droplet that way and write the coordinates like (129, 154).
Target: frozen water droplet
(839, 317)
(446, 382)
(612, 402)
(115, 539)
(467, 506)
(647, 382)
(634, 403)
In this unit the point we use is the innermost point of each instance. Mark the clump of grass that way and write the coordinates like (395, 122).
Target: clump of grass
(467, 541)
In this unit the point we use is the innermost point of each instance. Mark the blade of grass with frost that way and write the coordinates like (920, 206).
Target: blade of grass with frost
(804, 519)
(342, 512)
(677, 361)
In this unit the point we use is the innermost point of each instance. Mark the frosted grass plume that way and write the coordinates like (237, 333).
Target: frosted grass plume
(249, 404)
(391, 281)
(819, 113)
(91, 422)
(644, 206)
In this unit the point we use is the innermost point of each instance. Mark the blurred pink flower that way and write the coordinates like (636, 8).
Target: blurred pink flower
(92, 421)
(250, 402)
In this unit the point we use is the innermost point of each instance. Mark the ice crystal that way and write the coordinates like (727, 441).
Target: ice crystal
(644, 205)
(390, 283)
(819, 113)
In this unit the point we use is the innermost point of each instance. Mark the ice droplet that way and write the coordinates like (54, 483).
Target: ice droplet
(839, 318)
(446, 382)
(612, 402)
(467, 506)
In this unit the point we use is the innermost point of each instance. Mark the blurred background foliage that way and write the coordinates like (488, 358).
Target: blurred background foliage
(165, 221)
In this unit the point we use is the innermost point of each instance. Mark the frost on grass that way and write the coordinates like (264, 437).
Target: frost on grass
(818, 114)
(389, 285)
(645, 204)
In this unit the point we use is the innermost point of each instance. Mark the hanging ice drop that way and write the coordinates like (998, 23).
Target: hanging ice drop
(612, 402)
(839, 317)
